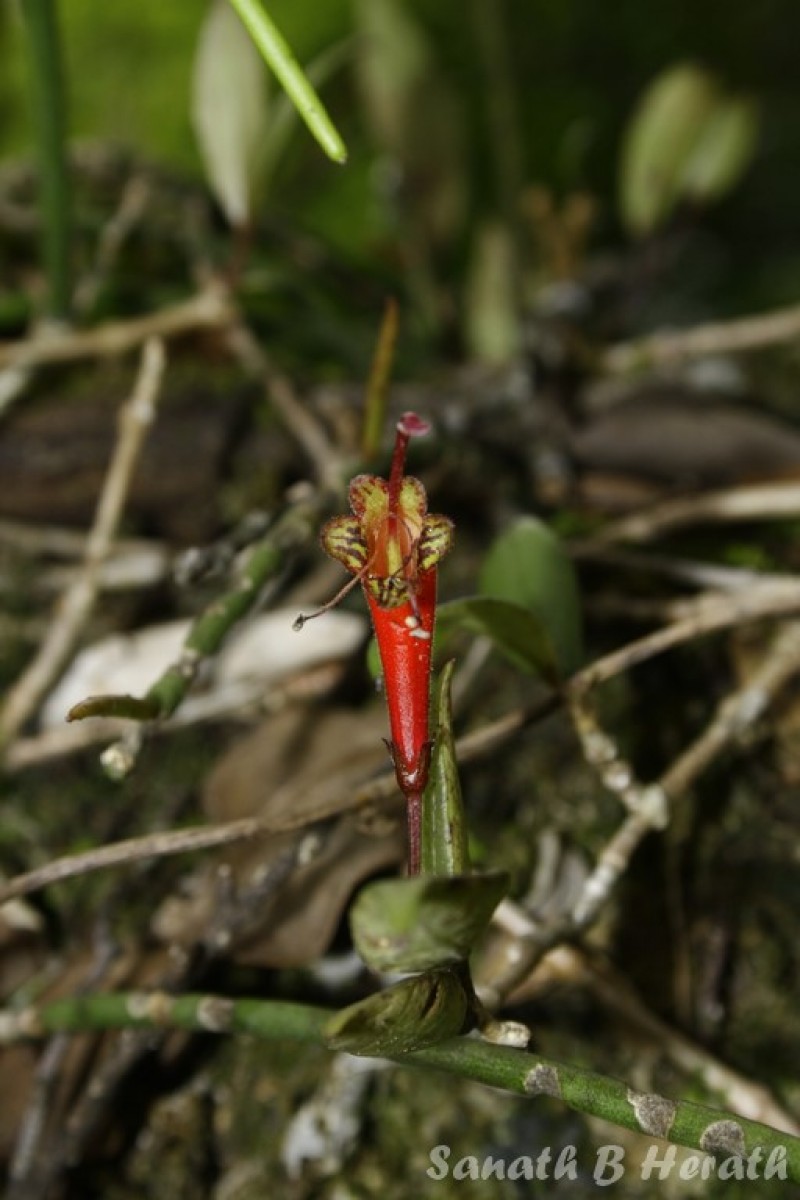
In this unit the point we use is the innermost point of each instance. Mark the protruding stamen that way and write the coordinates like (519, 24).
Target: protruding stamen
(329, 604)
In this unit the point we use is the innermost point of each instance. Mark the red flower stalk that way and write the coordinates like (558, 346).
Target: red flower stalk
(392, 545)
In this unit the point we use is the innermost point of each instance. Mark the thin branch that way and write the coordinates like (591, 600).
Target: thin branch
(649, 804)
(768, 500)
(136, 196)
(707, 613)
(526, 1074)
(297, 418)
(205, 837)
(209, 309)
(669, 348)
(136, 416)
(292, 530)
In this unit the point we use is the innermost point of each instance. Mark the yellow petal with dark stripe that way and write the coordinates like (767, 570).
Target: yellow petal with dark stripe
(435, 540)
(343, 540)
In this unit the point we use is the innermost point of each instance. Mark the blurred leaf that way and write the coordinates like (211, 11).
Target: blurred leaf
(416, 1012)
(492, 322)
(660, 138)
(426, 921)
(515, 631)
(723, 152)
(230, 111)
(528, 565)
(132, 708)
(444, 825)
(686, 140)
(413, 113)
(395, 61)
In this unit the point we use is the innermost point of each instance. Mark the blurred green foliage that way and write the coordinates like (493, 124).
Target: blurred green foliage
(573, 71)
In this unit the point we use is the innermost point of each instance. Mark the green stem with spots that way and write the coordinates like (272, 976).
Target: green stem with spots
(290, 532)
(526, 1074)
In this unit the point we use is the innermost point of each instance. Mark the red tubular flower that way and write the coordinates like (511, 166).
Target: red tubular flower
(392, 546)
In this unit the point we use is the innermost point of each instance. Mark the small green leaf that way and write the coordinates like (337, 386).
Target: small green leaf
(516, 632)
(424, 921)
(659, 140)
(723, 152)
(416, 1012)
(133, 708)
(686, 140)
(492, 324)
(528, 565)
(444, 825)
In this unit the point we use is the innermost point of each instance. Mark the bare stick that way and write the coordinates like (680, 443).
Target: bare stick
(705, 614)
(718, 337)
(736, 713)
(135, 419)
(209, 309)
(730, 504)
(204, 837)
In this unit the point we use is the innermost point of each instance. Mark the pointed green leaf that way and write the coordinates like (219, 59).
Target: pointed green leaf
(133, 708)
(425, 921)
(444, 826)
(416, 1012)
(528, 565)
(273, 46)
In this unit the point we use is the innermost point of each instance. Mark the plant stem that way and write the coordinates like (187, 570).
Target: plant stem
(680, 1121)
(296, 83)
(378, 382)
(49, 112)
(292, 530)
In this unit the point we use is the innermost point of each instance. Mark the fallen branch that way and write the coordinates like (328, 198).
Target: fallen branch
(136, 416)
(209, 309)
(668, 348)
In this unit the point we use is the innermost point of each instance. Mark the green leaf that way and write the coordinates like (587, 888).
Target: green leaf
(416, 1012)
(425, 921)
(686, 140)
(723, 152)
(515, 631)
(492, 323)
(393, 66)
(133, 708)
(413, 113)
(528, 565)
(659, 141)
(273, 46)
(444, 824)
(229, 111)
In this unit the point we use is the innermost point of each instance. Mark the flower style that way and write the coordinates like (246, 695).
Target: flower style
(392, 545)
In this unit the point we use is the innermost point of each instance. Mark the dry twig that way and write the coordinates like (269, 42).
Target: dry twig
(670, 347)
(766, 500)
(135, 419)
(209, 309)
